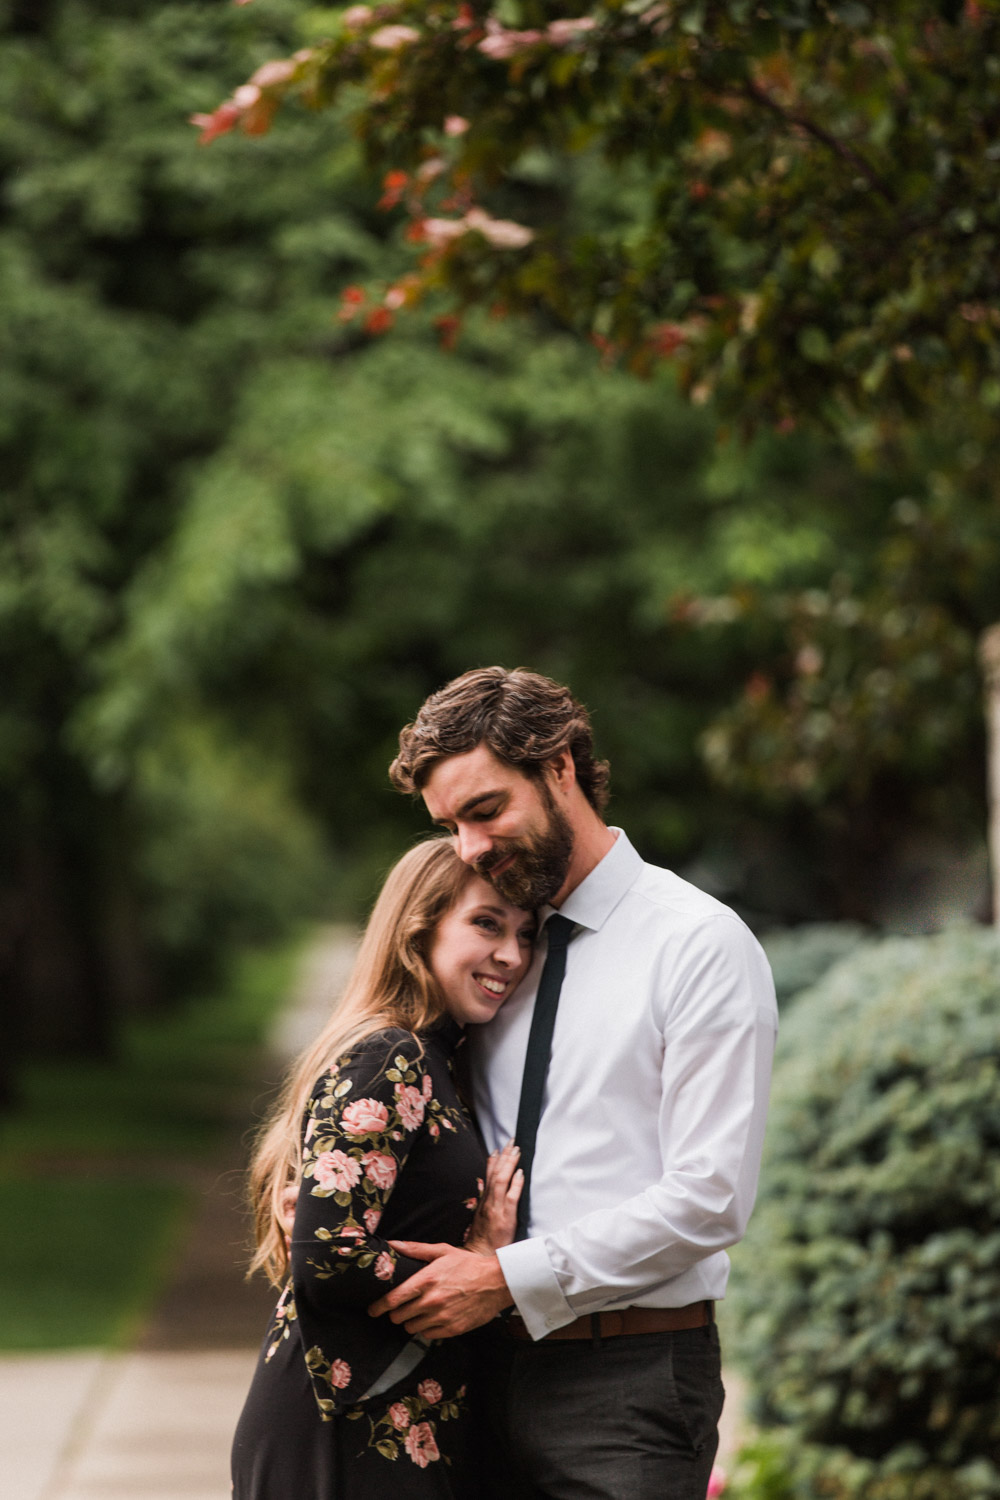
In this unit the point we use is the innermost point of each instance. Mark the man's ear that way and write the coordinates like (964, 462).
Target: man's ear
(561, 771)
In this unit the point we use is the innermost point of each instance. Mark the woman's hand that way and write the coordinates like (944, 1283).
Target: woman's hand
(496, 1217)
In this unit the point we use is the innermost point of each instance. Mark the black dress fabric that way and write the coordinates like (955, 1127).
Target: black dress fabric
(389, 1153)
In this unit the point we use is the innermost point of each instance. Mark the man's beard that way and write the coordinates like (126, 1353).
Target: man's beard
(540, 863)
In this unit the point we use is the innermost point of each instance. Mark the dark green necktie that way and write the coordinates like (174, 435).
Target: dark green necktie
(536, 1060)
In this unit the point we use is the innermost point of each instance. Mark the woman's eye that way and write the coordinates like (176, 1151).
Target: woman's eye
(487, 923)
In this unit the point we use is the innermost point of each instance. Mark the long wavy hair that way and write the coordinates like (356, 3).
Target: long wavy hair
(391, 984)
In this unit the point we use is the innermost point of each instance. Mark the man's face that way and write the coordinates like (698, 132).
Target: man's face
(509, 826)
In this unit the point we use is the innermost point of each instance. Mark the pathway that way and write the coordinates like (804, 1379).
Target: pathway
(155, 1422)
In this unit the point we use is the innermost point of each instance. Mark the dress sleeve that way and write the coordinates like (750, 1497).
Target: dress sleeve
(360, 1124)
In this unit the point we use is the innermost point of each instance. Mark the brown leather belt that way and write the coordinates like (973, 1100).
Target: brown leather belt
(608, 1325)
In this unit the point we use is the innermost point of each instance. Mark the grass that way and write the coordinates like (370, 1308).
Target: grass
(81, 1260)
(92, 1199)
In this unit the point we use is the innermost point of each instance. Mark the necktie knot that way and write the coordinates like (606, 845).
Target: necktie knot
(558, 930)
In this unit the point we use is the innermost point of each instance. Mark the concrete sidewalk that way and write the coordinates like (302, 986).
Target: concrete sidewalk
(139, 1426)
(143, 1426)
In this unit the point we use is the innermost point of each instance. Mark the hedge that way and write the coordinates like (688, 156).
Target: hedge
(868, 1291)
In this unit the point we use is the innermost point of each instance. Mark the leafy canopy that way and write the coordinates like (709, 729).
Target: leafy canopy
(812, 208)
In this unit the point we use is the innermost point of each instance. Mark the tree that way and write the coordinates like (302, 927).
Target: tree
(800, 216)
(811, 221)
(140, 281)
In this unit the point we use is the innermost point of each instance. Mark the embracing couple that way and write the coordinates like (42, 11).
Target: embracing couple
(536, 1322)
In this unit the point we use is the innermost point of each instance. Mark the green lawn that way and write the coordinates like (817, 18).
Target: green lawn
(91, 1208)
(82, 1257)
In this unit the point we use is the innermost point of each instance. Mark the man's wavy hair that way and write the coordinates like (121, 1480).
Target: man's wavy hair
(525, 719)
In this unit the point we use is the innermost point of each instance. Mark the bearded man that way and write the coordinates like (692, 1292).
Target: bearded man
(633, 1065)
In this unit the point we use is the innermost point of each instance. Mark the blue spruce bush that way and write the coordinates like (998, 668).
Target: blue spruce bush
(868, 1290)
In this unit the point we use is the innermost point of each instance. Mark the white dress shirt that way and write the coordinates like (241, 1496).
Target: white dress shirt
(652, 1123)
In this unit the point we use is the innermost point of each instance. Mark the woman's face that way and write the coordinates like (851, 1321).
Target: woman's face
(480, 950)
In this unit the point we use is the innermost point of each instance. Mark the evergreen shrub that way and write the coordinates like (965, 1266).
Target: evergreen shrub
(868, 1290)
(800, 956)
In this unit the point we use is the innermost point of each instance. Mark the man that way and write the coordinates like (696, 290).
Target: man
(652, 1095)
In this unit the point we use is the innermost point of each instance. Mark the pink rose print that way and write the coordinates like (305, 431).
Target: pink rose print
(716, 1483)
(399, 1416)
(364, 1117)
(433, 1129)
(340, 1374)
(410, 1103)
(335, 1171)
(380, 1168)
(384, 1266)
(371, 1217)
(430, 1391)
(427, 1087)
(447, 1125)
(420, 1445)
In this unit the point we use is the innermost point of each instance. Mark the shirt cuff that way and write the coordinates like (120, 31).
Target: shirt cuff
(532, 1283)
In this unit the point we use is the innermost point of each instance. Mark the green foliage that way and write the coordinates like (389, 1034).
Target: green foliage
(869, 1289)
(810, 222)
(177, 1082)
(800, 956)
(141, 281)
(851, 684)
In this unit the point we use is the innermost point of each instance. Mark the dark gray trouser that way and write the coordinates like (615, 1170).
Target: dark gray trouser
(633, 1418)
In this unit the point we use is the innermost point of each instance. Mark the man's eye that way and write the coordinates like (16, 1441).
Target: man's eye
(484, 814)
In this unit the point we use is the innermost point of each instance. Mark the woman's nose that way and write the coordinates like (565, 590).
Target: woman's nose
(508, 951)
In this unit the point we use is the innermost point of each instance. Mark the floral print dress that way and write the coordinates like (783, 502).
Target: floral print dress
(344, 1406)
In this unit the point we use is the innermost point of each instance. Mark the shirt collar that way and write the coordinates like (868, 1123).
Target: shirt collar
(595, 898)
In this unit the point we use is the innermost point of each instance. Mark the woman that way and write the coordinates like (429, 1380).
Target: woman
(344, 1406)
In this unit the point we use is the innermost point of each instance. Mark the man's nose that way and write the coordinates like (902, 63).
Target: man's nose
(473, 843)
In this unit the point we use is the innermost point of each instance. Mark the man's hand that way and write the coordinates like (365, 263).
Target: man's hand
(456, 1291)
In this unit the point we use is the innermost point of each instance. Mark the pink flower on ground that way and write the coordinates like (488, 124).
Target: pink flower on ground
(364, 1117)
(357, 15)
(399, 1416)
(337, 1172)
(716, 1483)
(371, 1217)
(430, 1391)
(384, 1266)
(380, 1168)
(426, 1086)
(420, 1445)
(410, 1103)
(340, 1374)
(455, 125)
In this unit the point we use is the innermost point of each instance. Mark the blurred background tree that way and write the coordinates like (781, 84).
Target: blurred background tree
(244, 535)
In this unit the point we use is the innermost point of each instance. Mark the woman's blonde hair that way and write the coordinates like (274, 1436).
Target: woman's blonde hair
(391, 984)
